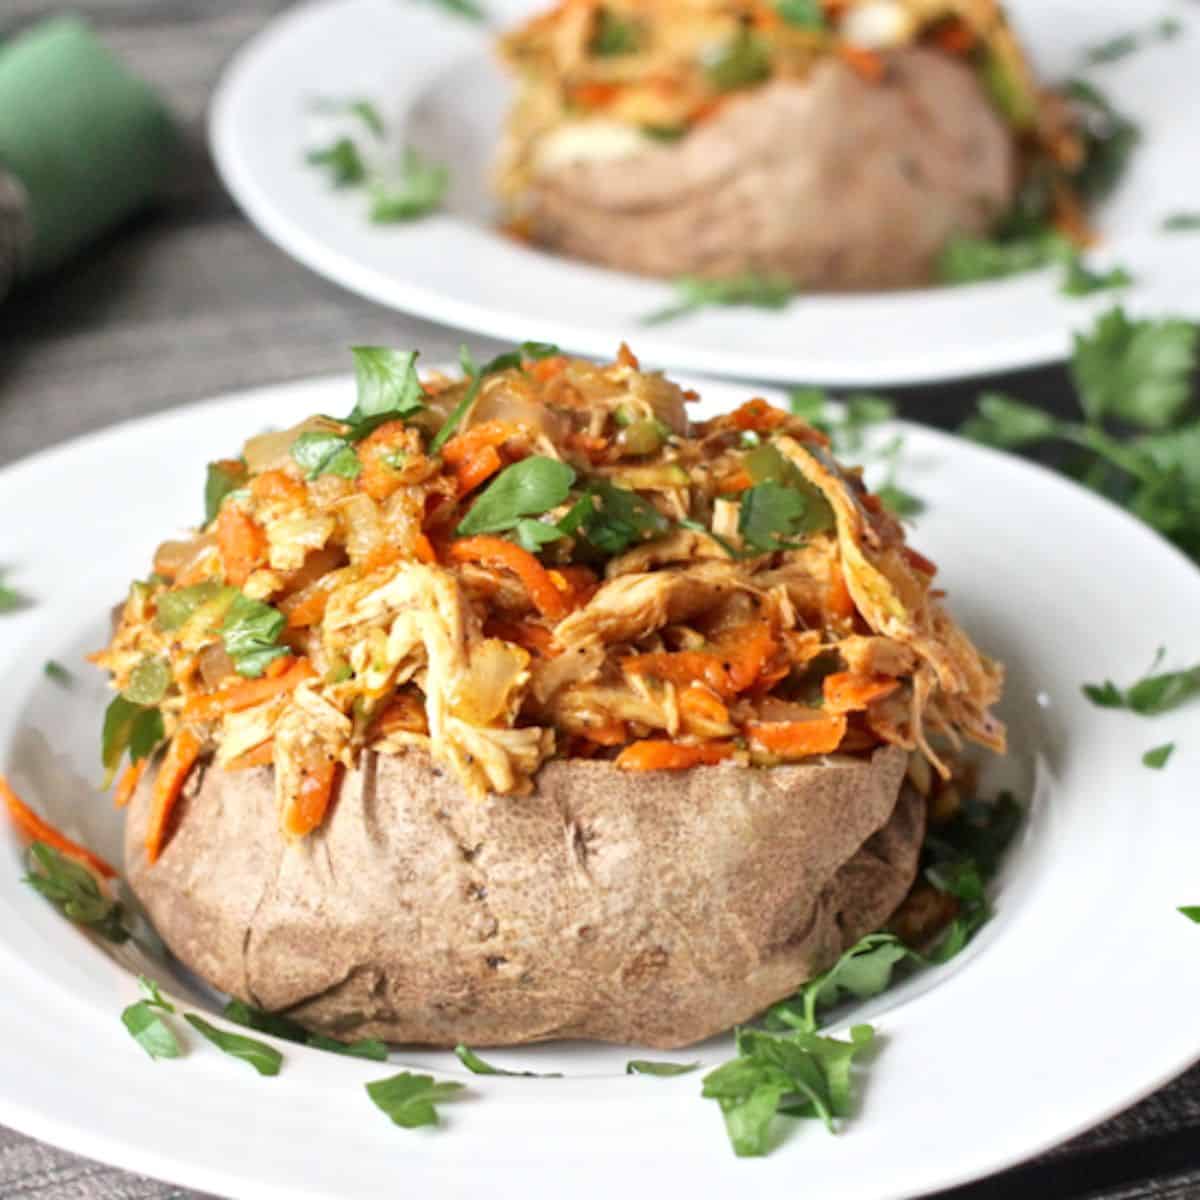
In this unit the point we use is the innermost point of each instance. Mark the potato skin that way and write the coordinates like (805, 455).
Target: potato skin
(655, 909)
(835, 182)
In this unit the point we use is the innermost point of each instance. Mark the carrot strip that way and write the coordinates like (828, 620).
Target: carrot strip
(735, 664)
(865, 63)
(384, 555)
(209, 706)
(467, 444)
(846, 692)
(955, 37)
(178, 761)
(658, 755)
(378, 477)
(595, 95)
(423, 550)
(37, 830)
(262, 755)
(738, 481)
(308, 808)
(128, 783)
(496, 552)
(242, 543)
(759, 416)
(838, 600)
(702, 704)
(307, 610)
(280, 486)
(471, 472)
(607, 733)
(797, 739)
(546, 369)
(916, 559)
(627, 358)
(405, 714)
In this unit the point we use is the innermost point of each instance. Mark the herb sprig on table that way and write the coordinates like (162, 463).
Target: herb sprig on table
(749, 289)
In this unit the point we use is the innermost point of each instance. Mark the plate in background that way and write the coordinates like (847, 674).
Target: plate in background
(1030, 1036)
(436, 79)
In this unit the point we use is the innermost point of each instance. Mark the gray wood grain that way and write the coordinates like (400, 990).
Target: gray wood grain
(189, 301)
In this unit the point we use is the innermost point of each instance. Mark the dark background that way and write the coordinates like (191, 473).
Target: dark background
(188, 301)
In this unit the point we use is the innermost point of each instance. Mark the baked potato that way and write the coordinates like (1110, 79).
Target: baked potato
(519, 706)
(838, 149)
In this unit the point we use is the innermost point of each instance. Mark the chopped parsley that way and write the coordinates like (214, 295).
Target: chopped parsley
(803, 14)
(288, 1030)
(477, 1066)
(409, 1100)
(966, 259)
(147, 1027)
(646, 1066)
(525, 489)
(1081, 280)
(612, 35)
(1149, 696)
(10, 598)
(57, 672)
(1181, 222)
(749, 289)
(467, 9)
(250, 633)
(221, 478)
(744, 60)
(342, 161)
(75, 892)
(416, 188)
(1124, 44)
(266, 1060)
(1157, 758)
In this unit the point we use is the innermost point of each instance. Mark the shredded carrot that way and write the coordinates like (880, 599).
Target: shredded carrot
(383, 555)
(280, 486)
(466, 445)
(748, 650)
(658, 755)
(593, 447)
(734, 664)
(582, 583)
(797, 739)
(846, 692)
(308, 808)
(305, 608)
(199, 569)
(37, 830)
(127, 784)
(865, 63)
(916, 559)
(423, 550)
(209, 706)
(595, 95)
(496, 552)
(178, 761)
(242, 543)
(758, 416)
(738, 481)
(838, 600)
(262, 755)
(529, 635)
(546, 369)
(378, 477)
(702, 704)
(405, 713)
(627, 358)
(471, 472)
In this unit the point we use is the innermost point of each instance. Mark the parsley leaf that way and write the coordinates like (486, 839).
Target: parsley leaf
(416, 189)
(645, 1066)
(388, 387)
(477, 1066)
(1157, 758)
(150, 1031)
(75, 892)
(966, 259)
(220, 479)
(1081, 280)
(612, 518)
(57, 672)
(797, 1074)
(525, 489)
(467, 9)
(749, 289)
(1181, 222)
(612, 35)
(742, 61)
(1007, 423)
(325, 454)
(10, 598)
(283, 1027)
(1138, 371)
(409, 1100)
(250, 633)
(1192, 912)
(128, 726)
(804, 14)
(342, 160)
(1109, 141)
(266, 1060)
(772, 516)
(1149, 696)
(1124, 44)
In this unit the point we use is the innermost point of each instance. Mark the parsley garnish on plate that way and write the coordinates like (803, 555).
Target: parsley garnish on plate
(1124, 44)
(748, 289)
(1157, 758)
(1192, 912)
(416, 188)
(1149, 696)
(75, 892)
(410, 1100)
(646, 1066)
(1137, 440)
(288, 1030)
(612, 35)
(147, 1027)
(524, 490)
(266, 1060)
(468, 9)
(342, 160)
(477, 1066)
(250, 633)
(56, 671)
(1082, 280)
(1181, 222)
(966, 259)
(10, 598)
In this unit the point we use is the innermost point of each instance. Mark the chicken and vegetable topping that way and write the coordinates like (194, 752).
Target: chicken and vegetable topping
(542, 558)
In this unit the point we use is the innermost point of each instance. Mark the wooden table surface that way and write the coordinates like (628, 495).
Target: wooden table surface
(189, 301)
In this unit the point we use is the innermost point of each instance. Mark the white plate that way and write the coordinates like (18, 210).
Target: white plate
(435, 77)
(1076, 1000)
